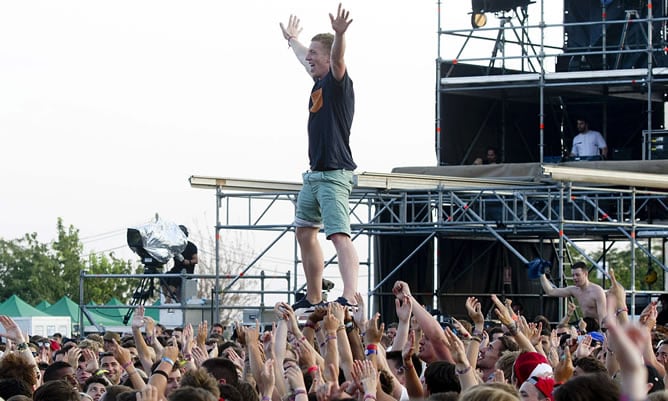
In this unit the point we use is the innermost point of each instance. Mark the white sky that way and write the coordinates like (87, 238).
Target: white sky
(106, 108)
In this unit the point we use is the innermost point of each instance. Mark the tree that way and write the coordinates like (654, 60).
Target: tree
(233, 260)
(38, 271)
(619, 257)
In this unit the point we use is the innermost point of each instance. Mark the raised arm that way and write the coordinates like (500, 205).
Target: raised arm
(340, 24)
(291, 34)
(430, 327)
(553, 291)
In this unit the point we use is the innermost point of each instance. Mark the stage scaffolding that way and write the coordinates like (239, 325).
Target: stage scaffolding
(547, 211)
(529, 52)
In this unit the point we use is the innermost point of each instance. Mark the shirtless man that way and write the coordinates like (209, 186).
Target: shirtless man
(590, 296)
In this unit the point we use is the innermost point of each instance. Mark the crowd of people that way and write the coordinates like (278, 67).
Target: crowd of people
(338, 353)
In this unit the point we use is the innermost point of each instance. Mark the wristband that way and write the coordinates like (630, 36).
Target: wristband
(312, 369)
(620, 310)
(161, 373)
(330, 337)
(126, 365)
(341, 327)
(266, 398)
(372, 347)
(309, 324)
(477, 333)
(168, 360)
(463, 371)
(298, 391)
(22, 346)
(475, 338)
(370, 352)
(369, 397)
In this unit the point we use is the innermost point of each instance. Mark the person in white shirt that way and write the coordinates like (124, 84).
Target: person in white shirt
(588, 142)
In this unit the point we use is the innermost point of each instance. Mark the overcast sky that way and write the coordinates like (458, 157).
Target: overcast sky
(106, 108)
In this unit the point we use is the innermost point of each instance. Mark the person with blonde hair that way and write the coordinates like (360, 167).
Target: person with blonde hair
(490, 392)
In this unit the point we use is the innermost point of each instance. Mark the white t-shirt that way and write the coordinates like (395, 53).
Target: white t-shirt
(588, 144)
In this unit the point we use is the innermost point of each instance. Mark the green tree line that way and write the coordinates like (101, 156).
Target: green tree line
(36, 271)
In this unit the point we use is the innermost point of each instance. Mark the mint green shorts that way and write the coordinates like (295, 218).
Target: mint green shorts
(323, 201)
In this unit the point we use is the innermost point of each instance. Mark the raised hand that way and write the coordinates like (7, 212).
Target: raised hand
(401, 289)
(148, 393)
(341, 22)
(367, 376)
(404, 309)
(202, 334)
(502, 312)
(292, 30)
(12, 330)
(374, 333)
(267, 379)
(138, 318)
(474, 310)
(584, 348)
(456, 347)
(359, 314)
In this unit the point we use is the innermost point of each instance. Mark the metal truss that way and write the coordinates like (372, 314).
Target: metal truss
(558, 213)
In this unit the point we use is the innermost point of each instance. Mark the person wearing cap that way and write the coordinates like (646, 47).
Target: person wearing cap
(109, 338)
(537, 388)
(529, 364)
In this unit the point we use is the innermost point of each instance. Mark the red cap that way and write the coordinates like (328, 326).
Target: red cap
(526, 363)
(544, 384)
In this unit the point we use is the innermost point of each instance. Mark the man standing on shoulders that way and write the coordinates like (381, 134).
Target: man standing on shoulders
(590, 296)
(588, 142)
(323, 199)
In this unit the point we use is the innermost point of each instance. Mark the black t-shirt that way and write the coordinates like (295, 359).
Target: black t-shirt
(331, 107)
(187, 253)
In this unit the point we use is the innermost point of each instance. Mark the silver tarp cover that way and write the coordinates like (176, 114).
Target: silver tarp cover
(162, 239)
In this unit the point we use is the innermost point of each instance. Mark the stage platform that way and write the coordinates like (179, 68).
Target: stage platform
(647, 173)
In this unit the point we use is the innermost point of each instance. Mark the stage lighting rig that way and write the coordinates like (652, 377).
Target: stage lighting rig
(480, 7)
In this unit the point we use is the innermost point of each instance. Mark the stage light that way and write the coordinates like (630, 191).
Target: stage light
(480, 7)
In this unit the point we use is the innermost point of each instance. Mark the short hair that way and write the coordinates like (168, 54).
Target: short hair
(96, 379)
(202, 379)
(589, 364)
(188, 393)
(508, 344)
(229, 392)
(20, 397)
(57, 390)
(392, 325)
(222, 368)
(51, 373)
(10, 387)
(440, 377)
(506, 362)
(494, 330)
(399, 359)
(449, 396)
(326, 39)
(592, 324)
(247, 391)
(113, 392)
(579, 265)
(595, 386)
(127, 396)
(490, 392)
